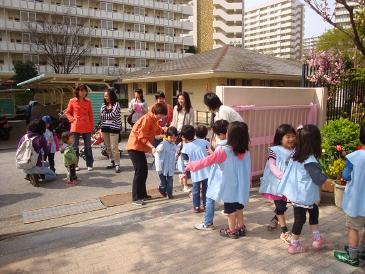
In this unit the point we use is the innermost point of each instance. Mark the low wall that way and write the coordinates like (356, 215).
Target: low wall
(265, 108)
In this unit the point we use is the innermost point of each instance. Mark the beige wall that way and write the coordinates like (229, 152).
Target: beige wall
(273, 96)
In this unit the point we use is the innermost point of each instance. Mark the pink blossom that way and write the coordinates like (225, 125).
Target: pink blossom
(338, 147)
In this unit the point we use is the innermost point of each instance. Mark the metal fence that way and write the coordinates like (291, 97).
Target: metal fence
(263, 121)
(346, 100)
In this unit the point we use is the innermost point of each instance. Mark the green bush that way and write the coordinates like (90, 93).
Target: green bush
(339, 137)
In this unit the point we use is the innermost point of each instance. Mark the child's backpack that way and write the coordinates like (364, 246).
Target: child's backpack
(26, 157)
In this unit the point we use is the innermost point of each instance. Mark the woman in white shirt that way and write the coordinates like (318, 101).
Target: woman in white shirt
(214, 104)
(137, 106)
(183, 113)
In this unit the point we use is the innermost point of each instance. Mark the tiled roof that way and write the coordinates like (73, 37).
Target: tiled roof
(224, 59)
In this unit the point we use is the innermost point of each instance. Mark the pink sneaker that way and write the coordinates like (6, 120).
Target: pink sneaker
(318, 244)
(295, 249)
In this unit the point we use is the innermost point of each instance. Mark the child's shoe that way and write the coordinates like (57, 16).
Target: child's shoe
(272, 225)
(170, 197)
(202, 226)
(71, 182)
(343, 256)
(361, 253)
(318, 244)
(225, 232)
(296, 248)
(197, 210)
(77, 168)
(241, 231)
(286, 237)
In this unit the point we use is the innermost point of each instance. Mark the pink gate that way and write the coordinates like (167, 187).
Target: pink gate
(262, 122)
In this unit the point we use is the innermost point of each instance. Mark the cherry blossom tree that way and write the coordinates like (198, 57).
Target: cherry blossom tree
(327, 67)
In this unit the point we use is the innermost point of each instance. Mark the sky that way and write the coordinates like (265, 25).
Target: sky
(314, 24)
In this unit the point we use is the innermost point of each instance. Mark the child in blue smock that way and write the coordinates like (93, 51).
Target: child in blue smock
(301, 185)
(234, 187)
(215, 177)
(353, 204)
(165, 159)
(278, 159)
(196, 149)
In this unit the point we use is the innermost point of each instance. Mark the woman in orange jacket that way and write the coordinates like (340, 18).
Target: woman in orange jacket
(140, 142)
(80, 114)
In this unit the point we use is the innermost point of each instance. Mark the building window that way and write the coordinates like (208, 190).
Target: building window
(107, 43)
(31, 58)
(26, 38)
(246, 82)
(107, 24)
(108, 61)
(139, 11)
(169, 47)
(169, 31)
(139, 28)
(71, 3)
(151, 88)
(70, 20)
(105, 6)
(140, 45)
(141, 63)
(26, 16)
(231, 82)
(168, 15)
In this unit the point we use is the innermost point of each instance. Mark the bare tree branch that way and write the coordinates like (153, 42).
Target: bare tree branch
(63, 43)
(321, 7)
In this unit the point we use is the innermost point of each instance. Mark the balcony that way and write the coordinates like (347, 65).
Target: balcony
(226, 16)
(115, 34)
(227, 6)
(109, 52)
(92, 13)
(225, 28)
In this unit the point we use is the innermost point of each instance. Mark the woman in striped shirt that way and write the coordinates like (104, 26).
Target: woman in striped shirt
(111, 123)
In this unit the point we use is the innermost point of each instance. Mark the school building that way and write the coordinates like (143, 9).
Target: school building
(201, 73)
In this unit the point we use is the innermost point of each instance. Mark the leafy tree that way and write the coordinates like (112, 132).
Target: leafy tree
(24, 71)
(337, 40)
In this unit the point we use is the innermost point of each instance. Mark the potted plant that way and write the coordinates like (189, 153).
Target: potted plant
(339, 138)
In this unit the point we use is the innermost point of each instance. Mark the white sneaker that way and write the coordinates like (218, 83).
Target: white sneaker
(77, 168)
(90, 169)
(186, 189)
(202, 226)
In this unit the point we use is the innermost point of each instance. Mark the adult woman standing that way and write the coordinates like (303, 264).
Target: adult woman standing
(137, 106)
(139, 143)
(183, 113)
(79, 112)
(111, 123)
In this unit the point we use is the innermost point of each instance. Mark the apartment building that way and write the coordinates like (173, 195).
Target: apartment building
(217, 23)
(124, 35)
(310, 43)
(341, 14)
(275, 28)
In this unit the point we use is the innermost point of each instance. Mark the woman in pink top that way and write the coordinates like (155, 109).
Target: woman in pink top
(80, 114)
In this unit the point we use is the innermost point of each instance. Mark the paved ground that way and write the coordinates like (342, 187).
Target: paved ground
(17, 194)
(159, 239)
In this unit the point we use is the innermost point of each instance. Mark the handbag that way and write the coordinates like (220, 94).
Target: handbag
(129, 118)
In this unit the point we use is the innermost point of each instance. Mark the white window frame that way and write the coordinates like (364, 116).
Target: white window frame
(107, 43)
(141, 28)
(141, 63)
(27, 16)
(106, 6)
(108, 61)
(107, 24)
(34, 58)
(140, 45)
